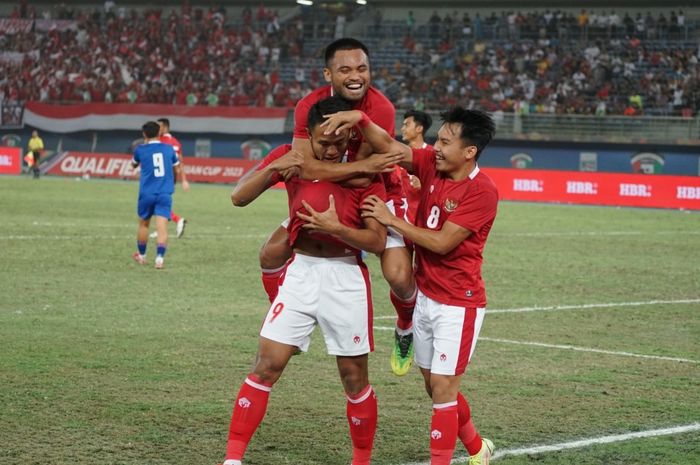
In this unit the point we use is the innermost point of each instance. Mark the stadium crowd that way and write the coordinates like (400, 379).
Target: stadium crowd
(546, 62)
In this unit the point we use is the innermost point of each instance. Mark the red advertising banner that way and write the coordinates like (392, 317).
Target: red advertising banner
(617, 189)
(108, 165)
(10, 160)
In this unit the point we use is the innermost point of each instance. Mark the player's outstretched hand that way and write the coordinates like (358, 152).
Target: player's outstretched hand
(326, 222)
(343, 120)
(374, 207)
(381, 162)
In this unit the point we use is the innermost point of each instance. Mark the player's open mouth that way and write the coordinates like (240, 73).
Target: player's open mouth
(354, 86)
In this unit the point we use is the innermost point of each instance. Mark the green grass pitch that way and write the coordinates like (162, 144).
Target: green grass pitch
(105, 362)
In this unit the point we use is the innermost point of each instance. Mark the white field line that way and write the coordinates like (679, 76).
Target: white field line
(569, 347)
(588, 349)
(533, 450)
(576, 307)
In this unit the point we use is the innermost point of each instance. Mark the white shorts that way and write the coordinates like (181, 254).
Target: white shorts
(393, 238)
(444, 336)
(334, 293)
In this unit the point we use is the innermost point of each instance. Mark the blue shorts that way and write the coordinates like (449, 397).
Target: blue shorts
(155, 204)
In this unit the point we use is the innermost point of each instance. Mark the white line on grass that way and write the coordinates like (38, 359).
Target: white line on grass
(587, 349)
(533, 450)
(577, 307)
(569, 347)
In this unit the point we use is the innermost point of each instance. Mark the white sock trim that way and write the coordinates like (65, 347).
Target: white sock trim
(362, 398)
(445, 405)
(259, 386)
(272, 270)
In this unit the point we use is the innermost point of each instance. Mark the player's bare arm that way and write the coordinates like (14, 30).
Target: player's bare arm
(255, 182)
(380, 141)
(441, 242)
(372, 238)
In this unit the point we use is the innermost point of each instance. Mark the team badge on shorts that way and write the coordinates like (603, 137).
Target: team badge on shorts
(357, 339)
(443, 357)
(450, 205)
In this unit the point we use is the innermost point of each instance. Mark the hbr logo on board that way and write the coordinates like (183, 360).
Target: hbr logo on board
(581, 187)
(635, 190)
(688, 192)
(528, 185)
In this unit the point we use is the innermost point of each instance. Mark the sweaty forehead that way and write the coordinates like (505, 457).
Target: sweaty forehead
(352, 58)
(319, 136)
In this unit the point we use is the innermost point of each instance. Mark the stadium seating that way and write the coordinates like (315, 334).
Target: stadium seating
(547, 62)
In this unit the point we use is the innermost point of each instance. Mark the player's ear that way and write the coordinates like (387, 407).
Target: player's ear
(327, 74)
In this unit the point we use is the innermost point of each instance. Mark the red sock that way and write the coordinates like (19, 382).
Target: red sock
(362, 418)
(404, 309)
(443, 433)
(467, 432)
(271, 280)
(248, 412)
(174, 216)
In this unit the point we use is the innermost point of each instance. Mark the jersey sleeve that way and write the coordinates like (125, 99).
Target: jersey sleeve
(173, 157)
(384, 116)
(136, 159)
(276, 153)
(476, 209)
(423, 163)
(301, 116)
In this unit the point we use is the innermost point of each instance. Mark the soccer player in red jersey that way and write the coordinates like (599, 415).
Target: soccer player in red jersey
(168, 138)
(457, 209)
(348, 72)
(325, 283)
(415, 125)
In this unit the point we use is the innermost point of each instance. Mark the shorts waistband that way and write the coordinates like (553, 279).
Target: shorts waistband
(350, 259)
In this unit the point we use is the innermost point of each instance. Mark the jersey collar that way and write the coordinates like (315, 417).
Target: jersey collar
(473, 174)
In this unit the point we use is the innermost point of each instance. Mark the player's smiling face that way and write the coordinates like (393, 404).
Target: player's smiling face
(451, 152)
(348, 73)
(328, 147)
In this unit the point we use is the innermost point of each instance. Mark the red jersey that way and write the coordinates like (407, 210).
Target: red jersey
(347, 199)
(379, 109)
(454, 278)
(170, 140)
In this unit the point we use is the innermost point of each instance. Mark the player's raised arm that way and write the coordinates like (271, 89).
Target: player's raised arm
(378, 139)
(261, 178)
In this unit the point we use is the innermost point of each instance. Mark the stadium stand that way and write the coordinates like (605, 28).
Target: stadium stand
(550, 62)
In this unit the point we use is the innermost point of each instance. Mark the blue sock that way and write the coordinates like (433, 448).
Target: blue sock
(161, 250)
(142, 247)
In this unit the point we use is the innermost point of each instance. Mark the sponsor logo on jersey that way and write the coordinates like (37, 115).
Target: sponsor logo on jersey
(468, 293)
(450, 205)
(521, 160)
(647, 163)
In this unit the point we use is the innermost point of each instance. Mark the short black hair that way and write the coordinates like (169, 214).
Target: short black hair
(477, 126)
(421, 118)
(326, 107)
(346, 43)
(150, 129)
(165, 121)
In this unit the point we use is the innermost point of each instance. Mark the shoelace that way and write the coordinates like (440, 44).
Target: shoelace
(405, 344)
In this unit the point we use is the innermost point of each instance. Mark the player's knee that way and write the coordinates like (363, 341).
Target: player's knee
(272, 256)
(400, 278)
